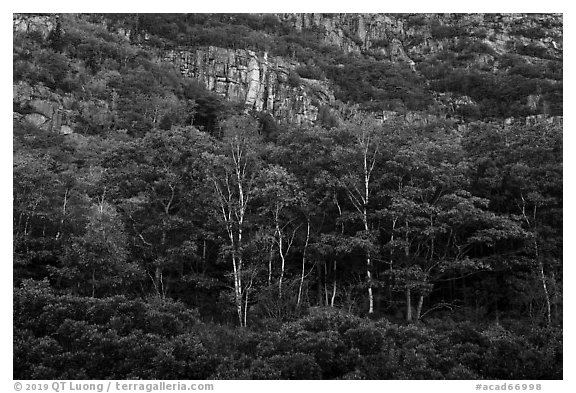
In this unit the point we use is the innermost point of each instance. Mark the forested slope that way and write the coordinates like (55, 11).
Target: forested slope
(287, 196)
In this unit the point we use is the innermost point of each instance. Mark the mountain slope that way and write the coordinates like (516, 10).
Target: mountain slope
(309, 67)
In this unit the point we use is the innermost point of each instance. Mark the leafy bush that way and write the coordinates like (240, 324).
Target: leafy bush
(440, 32)
(66, 337)
(366, 339)
(326, 118)
(534, 50)
(378, 85)
(294, 79)
(326, 319)
(417, 20)
(295, 366)
(310, 72)
(534, 33)
(94, 338)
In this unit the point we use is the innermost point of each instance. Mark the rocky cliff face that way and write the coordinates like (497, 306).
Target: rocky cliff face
(271, 84)
(25, 23)
(357, 33)
(408, 37)
(260, 82)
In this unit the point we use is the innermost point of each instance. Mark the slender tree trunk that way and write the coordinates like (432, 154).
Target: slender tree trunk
(370, 294)
(360, 199)
(237, 289)
(554, 297)
(408, 290)
(238, 281)
(419, 307)
(246, 309)
(282, 259)
(233, 212)
(333, 287)
(408, 305)
(544, 288)
(63, 217)
(158, 273)
(28, 227)
(236, 273)
(101, 201)
(541, 273)
(303, 264)
(368, 268)
(271, 257)
(19, 224)
(158, 283)
(342, 232)
(325, 284)
(247, 292)
(204, 256)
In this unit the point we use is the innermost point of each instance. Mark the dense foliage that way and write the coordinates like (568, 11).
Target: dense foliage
(352, 249)
(67, 337)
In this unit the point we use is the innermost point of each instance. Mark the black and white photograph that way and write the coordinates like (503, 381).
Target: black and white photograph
(287, 196)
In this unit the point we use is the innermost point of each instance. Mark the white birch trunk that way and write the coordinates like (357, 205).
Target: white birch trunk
(419, 308)
(303, 264)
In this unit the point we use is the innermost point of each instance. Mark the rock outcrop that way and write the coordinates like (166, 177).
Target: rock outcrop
(256, 80)
(271, 84)
(26, 23)
(357, 33)
(403, 37)
(39, 106)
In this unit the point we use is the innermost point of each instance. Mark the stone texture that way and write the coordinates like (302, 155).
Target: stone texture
(41, 107)
(26, 23)
(36, 119)
(66, 130)
(258, 81)
(261, 82)
(394, 38)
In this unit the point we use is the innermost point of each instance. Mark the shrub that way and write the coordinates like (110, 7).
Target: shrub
(96, 338)
(295, 366)
(366, 339)
(417, 20)
(440, 32)
(533, 50)
(310, 72)
(326, 118)
(294, 79)
(326, 319)
(534, 33)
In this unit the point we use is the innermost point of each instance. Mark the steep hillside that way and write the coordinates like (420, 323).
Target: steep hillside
(471, 63)
(308, 67)
(463, 64)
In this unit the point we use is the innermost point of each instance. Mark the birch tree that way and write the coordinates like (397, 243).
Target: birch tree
(359, 161)
(232, 174)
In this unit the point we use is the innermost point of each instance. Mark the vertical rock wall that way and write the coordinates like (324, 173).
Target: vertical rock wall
(260, 82)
